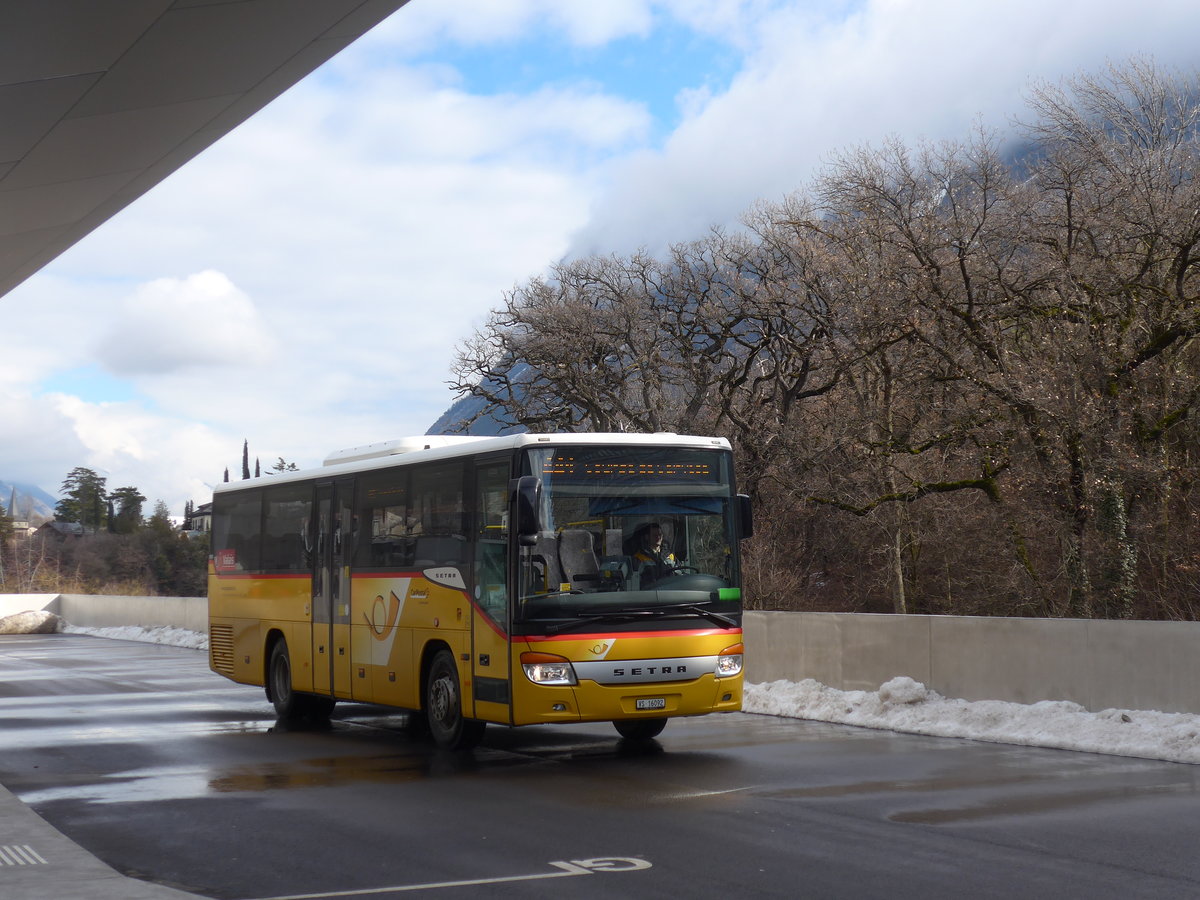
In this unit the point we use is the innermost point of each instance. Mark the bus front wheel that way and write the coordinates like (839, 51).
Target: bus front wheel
(443, 707)
(639, 729)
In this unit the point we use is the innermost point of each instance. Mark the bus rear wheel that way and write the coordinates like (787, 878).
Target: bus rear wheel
(639, 729)
(289, 703)
(443, 707)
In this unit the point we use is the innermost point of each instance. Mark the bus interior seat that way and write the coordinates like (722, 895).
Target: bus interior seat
(577, 556)
(543, 557)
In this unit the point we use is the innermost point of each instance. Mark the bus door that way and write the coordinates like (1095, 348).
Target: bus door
(489, 618)
(331, 589)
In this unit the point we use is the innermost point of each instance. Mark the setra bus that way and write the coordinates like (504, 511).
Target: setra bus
(518, 580)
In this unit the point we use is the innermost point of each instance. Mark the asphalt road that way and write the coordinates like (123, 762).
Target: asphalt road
(172, 774)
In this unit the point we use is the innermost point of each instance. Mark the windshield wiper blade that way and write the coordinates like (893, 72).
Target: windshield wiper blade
(586, 618)
(699, 610)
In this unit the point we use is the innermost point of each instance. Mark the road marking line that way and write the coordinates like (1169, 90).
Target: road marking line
(565, 870)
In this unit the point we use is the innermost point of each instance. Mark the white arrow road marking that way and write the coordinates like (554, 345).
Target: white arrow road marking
(564, 870)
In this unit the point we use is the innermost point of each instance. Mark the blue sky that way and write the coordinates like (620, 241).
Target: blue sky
(304, 282)
(652, 69)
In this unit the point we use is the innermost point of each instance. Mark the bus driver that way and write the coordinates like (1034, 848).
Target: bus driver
(648, 554)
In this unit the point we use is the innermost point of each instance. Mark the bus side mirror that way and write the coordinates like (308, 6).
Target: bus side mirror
(745, 517)
(527, 500)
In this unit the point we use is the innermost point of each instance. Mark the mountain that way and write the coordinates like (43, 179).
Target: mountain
(461, 411)
(33, 504)
(465, 408)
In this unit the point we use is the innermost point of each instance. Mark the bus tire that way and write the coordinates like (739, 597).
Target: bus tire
(639, 729)
(288, 703)
(443, 706)
(279, 682)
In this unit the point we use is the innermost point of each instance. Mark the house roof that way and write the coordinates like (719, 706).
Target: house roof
(66, 529)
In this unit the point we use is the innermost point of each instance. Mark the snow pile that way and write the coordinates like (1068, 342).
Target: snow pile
(903, 704)
(162, 634)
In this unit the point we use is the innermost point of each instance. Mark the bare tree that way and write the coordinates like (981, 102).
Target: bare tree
(957, 378)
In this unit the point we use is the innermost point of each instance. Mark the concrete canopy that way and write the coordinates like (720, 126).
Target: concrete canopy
(100, 101)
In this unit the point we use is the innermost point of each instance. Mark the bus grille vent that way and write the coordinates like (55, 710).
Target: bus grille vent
(220, 643)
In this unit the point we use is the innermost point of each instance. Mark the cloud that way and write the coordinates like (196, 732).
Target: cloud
(820, 80)
(371, 231)
(483, 22)
(201, 321)
(40, 446)
(167, 458)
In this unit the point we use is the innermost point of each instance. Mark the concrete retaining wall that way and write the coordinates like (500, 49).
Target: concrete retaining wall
(107, 612)
(1097, 664)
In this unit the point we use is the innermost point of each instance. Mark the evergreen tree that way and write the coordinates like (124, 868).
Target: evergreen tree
(160, 521)
(85, 501)
(245, 460)
(128, 515)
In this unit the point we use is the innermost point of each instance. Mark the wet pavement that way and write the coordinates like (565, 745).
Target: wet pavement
(178, 779)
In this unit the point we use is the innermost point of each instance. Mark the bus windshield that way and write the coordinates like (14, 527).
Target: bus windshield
(630, 534)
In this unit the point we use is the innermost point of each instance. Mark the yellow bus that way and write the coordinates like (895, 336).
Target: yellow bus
(518, 580)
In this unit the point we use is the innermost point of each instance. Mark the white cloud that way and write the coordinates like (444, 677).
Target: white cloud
(198, 321)
(40, 447)
(483, 22)
(480, 23)
(821, 80)
(168, 458)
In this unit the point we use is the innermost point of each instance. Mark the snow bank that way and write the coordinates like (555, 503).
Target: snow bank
(903, 704)
(162, 634)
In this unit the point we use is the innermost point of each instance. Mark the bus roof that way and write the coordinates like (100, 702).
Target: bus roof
(431, 448)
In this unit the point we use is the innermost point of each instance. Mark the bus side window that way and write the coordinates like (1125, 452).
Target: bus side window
(237, 521)
(288, 509)
(437, 503)
(385, 513)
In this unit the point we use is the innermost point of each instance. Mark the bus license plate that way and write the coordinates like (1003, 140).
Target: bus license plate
(651, 703)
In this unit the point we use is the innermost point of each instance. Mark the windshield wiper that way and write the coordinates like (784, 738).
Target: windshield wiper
(699, 610)
(588, 618)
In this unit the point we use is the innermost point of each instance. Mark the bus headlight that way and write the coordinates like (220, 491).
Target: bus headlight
(730, 661)
(546, 668)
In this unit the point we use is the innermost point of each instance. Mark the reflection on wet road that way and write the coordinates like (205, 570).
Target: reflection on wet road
(170, 773)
